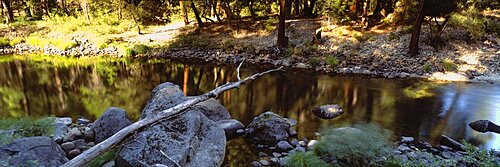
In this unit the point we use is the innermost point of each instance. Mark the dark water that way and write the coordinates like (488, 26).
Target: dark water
(41, 85)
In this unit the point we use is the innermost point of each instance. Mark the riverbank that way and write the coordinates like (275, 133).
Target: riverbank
(341, 50)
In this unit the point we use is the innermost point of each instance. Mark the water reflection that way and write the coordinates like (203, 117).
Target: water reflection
(41, 85)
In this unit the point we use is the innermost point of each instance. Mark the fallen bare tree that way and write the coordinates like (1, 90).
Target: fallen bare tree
(100, 148)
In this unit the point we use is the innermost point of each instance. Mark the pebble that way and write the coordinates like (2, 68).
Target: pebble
(264, 162)
(64, 120)
(89, 134)
(284, 146)
(73, 134)
(404, 148)
(302, 143)
(82, 121)
(68, 146)
(256, 164)
(262, 154)
(240, 131)
(407, 139)
(292, 132)
(74, 153)
(311, 144)
(277, 155)
(295, 142)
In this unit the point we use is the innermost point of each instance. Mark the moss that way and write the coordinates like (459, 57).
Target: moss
(307, 159)
(16, 41)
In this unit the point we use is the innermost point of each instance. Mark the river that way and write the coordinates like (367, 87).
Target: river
(39, 86)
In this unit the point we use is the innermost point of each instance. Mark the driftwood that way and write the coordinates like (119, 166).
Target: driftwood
(484, 126)
(103, 146)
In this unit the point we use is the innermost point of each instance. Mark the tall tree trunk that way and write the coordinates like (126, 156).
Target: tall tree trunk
(364, 17)
(413, 49)
(282, 41)
(309, 7)
(45, 8)
(62, 6)
(9, 17)
(250, 7)
(288, 7)
(197, 15)
(85, 8)
(216, 12)
(297, 7)
(184, 12)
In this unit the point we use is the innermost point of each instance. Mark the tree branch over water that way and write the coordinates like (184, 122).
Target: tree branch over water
(102, 147)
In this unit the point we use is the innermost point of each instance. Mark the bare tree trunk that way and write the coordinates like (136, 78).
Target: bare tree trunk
(413, 48)
(10, 14)
(184, 12)
(197, 15)
(282, 41)
(288, 7)
(216, 12)
(62, 6)
(364, 17)
(297, 7)
(105, 145)
(45, 8)
(85, 8)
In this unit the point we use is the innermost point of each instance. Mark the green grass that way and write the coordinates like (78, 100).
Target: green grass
(25, 127)
(477, 24)
(314, 61)
(357, 148)
(427, 68)
(332, 61)
(449, 65)
(4, 42)
(304, 159)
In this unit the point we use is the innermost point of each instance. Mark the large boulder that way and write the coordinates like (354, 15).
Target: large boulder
(189, 139)
(113, 120)
(32, 151)
(268, 128)
(213, 110)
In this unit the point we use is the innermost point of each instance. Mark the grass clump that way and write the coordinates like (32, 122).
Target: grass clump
(448, 65)
(358, 146)
(392, 36)
(304, 159)
(25, 127)
(141, 49)
(314, 61)
(332, 61)
(4, 42)
(427, 68)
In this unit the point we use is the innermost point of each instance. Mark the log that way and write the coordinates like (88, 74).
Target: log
(484, 126)
(100, 148)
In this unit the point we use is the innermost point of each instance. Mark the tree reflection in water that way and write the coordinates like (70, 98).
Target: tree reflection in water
(44, 85)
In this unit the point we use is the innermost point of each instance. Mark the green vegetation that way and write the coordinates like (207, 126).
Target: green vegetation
(25, 127)
(314, 61)
(476, 23)
(357, 147)
(393, 36)
(104, 158)
(4, 42)
(304, 159)
(448, 65)
(332, 61)
(427, 68)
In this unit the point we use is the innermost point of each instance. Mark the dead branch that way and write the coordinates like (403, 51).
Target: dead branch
(100, 148)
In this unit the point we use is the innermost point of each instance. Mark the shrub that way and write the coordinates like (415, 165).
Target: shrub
(25, 127)
(449, 65)
(270, 24)
(141, 49)
(357, 147)
(332, 61)
(476, 23)
(4, 42)
(427, 68)
(314, 61)
(304, 159)
(129, 52)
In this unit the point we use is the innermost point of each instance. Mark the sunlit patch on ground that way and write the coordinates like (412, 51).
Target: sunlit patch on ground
(448, 76)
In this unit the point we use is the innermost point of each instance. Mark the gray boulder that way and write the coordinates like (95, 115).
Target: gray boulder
(190, 139)
(163, 96)
(328, 111)
(113, 120)
(213, 110)
(268, 128)
(32, 151)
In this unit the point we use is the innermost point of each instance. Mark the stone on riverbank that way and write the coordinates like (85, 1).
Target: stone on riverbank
(328, 111)
(230, 126)
(268, 128)
(32, 151)
(113, 120)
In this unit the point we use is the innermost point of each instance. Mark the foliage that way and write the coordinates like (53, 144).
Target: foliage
(332, 61)
(314, 61)
(270, 24)
(357, 147)
(4, 42)
(337, 10)
(476, 23)
(141, 49)
(103, 158)
(448, 65)
(304, 159)
(420, 90)
(479, 157)
(404, 12)
(25, 127)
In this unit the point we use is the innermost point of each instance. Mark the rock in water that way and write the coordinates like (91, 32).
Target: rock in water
(32, 151)
(188, 139)
(484, 126)
(268, 128)
(113, 120)
(328, 111)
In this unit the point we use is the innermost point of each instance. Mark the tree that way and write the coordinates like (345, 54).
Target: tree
(9, 17)
(282, 39)
(197, 15)
(184, 12)
(413, 49)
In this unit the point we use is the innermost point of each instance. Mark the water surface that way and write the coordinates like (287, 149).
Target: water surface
(42, 85)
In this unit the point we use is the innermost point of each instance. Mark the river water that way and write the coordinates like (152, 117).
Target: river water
(43, 85)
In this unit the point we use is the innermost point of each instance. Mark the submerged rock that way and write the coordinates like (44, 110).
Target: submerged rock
(328, 111)
(32, 151)
(113, 120)
(484, 126)
(268, 128)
